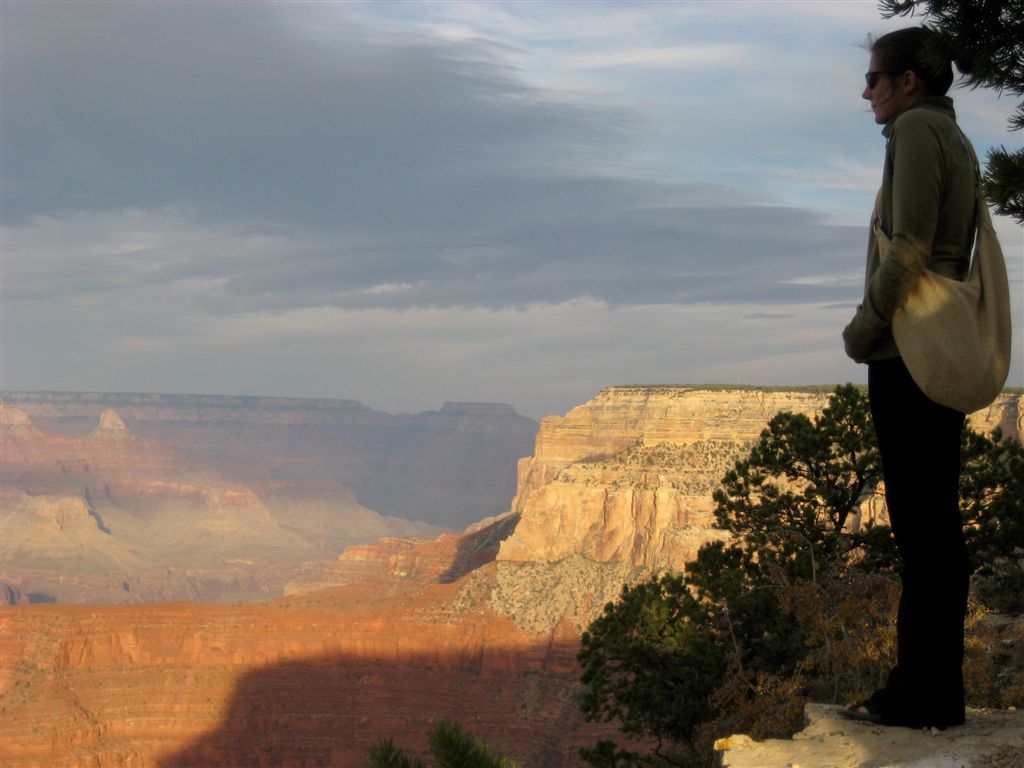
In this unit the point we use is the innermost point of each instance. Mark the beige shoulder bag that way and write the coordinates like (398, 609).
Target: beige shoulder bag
(955, 336)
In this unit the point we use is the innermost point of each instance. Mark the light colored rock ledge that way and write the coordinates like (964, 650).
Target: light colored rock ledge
(989, 739)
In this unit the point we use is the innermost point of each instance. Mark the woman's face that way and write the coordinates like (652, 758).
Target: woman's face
(890, 94)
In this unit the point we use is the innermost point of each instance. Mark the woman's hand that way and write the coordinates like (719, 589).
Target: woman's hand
(861, 335)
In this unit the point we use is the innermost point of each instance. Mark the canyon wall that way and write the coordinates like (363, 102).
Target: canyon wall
(110, 498)
(308, 679)
(108, 516)
(628, 476)
(616, 490)
(449, 468)
(481, 626)
(620, 488)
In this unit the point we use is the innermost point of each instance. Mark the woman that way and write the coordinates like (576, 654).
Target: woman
(926, 208)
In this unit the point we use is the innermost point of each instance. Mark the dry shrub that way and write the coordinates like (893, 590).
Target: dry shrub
(851, 645)
(993, 659)
(763, 706)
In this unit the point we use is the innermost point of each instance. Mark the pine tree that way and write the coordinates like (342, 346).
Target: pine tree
(451, 747)
(986, 39)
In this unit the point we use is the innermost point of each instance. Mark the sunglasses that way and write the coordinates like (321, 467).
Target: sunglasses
(871, 77)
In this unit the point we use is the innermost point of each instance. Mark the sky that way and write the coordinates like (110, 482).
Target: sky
(406, 203)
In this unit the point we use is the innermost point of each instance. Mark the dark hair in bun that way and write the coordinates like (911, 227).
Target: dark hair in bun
(924, 52)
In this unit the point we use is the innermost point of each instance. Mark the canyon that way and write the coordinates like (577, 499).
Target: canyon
(127, 498)
(481, 626)
(110, 517)
(448, 467)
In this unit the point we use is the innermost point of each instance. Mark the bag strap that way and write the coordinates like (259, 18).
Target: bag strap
(980, 205)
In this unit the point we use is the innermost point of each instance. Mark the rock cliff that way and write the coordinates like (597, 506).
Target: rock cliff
(16, 423)
(309, 679)
(110, 517)
(111, 427)
(620, 488)
(616, 490)
(449, 467)
(628, 476)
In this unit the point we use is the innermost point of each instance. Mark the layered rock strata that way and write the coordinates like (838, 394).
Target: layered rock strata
(623, 484)
(617, 489)
(449, 467)
(442, 560)
(398, 634)
(628, 476)
(111, 517)
(311, 679)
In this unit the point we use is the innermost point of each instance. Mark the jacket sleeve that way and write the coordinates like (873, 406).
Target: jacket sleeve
(917, 173)
(861, 335)
(917, 178)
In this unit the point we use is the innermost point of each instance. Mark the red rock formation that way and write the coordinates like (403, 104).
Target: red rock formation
(110, 517)
(111, 428)
(309, 679)
(618, 489)
(16, 423)
(417, 631)
(441, 560)
(449, 467)
(628, 476)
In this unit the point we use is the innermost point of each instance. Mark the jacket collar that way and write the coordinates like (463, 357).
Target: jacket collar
(942, 104)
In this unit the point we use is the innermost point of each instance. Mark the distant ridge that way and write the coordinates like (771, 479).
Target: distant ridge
(809, 388)
(113, 399)
(66, 403)
(449, 467)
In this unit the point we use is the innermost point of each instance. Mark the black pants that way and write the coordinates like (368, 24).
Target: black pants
(919, 442)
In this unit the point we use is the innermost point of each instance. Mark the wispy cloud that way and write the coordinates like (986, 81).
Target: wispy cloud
(707, 57)
(519, 201)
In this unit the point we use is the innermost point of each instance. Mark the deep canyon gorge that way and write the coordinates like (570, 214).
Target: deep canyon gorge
(400, 628)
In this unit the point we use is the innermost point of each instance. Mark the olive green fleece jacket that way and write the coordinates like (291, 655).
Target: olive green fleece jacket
(926, 207)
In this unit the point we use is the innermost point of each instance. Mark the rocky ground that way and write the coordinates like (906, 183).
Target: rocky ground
(989, 739)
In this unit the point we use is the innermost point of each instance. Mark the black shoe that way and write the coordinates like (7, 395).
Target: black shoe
(924, 719)
(863, 712)
(870, 712)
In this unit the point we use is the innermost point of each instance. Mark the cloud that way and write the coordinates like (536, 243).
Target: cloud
(544, 358)
(247, 113)
(704, 57)
(307, 161)
(444, 200)
(550, 242)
